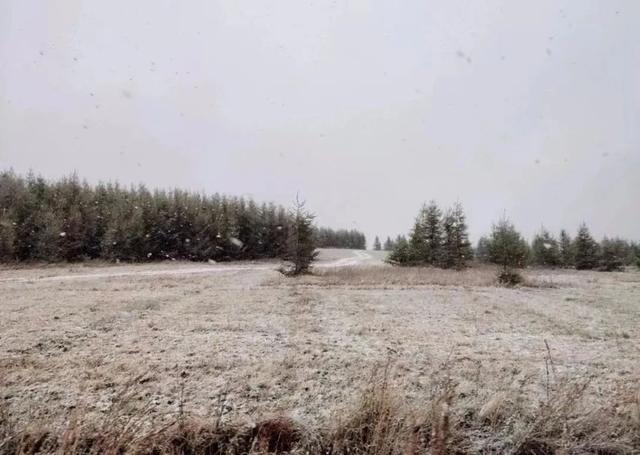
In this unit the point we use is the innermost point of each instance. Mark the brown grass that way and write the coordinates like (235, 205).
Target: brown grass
(388, 276)
(404, 276)
(380, 422)
(282, 366)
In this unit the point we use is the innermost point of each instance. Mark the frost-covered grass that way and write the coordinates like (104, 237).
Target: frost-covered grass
(374, 360)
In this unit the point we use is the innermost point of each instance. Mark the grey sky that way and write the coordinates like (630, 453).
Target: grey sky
(368, 108)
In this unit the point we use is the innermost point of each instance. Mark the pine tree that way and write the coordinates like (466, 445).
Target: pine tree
(507, 248)
(636, 254)
(376, 244)
(417, 239)
(388, 244)
(401, 253)
(301, 246)
(566, 250)
(482, 250)
(433, 233)
(545, 249)
(613, 254)
(586, 250)
(456, 248)
(7, 237)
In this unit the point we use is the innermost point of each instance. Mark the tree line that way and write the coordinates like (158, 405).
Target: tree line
(439, 238)
(505, 246)
(69, 220)
(340, 238)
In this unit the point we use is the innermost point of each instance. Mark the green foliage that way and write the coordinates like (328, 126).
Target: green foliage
(340, 238)
(401, 252)
(506, 246)
(567, 254)
(69, 220)
(301, 244)
(7, 238)
(614, 254)
(585, 249)
(388, 244)
(436, 240)
(377, 246)
(456, 248)
(545, 250)
(433, 234)
(418, 240)
(482, 253)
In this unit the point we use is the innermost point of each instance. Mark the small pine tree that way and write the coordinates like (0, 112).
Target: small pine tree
(401, 253)
(613, 254)
(456, 248)
(388, 244)
(433, 234)
(566, 250)
(545, 250)
(482, 250)
(507, 248)
(586, 250)
(417, 239)
(376, 244)
(301, 245)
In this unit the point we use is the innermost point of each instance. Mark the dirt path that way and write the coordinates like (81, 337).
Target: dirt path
(353, 258)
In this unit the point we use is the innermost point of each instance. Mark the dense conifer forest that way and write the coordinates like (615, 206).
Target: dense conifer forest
(70, 220)
(341, 238)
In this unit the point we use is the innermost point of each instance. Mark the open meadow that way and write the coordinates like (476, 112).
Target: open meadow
(359, 357)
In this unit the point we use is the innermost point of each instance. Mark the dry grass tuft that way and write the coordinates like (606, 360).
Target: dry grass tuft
(405, 276)
(381, 423)
(378, 425)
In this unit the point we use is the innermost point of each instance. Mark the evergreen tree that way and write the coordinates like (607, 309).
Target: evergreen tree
(376, 244)
(566, 250)
(613, 254)
(341, 238)
(401, 253)
(433, 233)
(636, 254)
(585, 250)
(7, 237)
(301, 246)
(456, 248)
(507, 248)
(482, 250)
(388, 244)
(545, 249)
(418, 240)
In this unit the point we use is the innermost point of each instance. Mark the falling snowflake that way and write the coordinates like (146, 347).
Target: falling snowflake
(63, 234)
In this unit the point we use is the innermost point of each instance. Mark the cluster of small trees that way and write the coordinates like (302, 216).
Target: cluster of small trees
(440, 239)
(69, 220)
(506, 247)
(437, 239)
(340, 238)
(389, 244)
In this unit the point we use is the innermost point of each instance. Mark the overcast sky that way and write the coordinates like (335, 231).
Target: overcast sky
(367, 108)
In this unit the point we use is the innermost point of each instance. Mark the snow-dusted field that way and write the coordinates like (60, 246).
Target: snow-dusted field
(253, 342)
